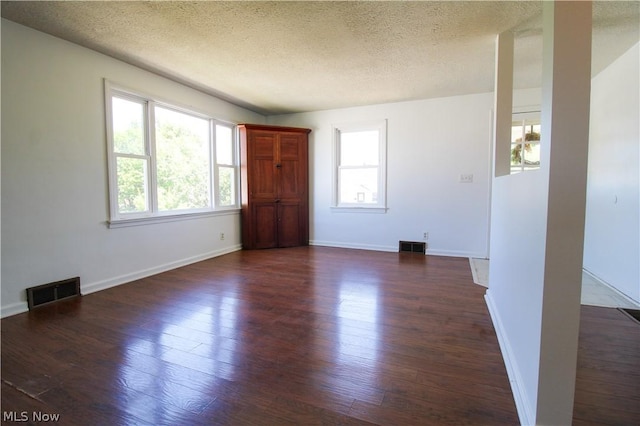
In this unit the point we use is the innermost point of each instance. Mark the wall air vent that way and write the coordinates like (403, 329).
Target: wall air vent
(412, 246)
(52, 292)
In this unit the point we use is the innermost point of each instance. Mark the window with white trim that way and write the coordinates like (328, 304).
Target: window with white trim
(360, 165)
(165, 160)
(525, 141)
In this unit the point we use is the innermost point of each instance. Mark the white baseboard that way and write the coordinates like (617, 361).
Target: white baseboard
(393, 249)
(341, 244)
(515, 379)
(13, 309)
(20, 307)
(453, 253)
(611, 287)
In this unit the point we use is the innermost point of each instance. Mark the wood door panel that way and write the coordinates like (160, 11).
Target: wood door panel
(264, 180)
(293, 167)
(289, 181)
(264, 146)
(265, 225)
(288, 225)
(263, 160)
(290, 147)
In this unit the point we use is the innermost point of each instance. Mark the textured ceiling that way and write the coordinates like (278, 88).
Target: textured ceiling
(280, 57)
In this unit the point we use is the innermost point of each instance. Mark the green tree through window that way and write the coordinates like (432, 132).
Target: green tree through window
(183, 161)
(164, 160)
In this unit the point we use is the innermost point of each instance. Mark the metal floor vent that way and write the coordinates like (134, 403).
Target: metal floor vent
(413, 247)
(52, 292)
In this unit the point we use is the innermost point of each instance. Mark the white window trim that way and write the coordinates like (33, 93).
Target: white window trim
(381, 205)
(125, 223)
(235, 160)
(118, 220)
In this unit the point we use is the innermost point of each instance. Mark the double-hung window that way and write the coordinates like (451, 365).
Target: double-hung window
(166, 161)
(360, 165)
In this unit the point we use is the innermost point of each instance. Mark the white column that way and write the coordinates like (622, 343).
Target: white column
(566, 87)
(503, 100)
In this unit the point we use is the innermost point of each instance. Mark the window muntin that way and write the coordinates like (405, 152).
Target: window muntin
(360, 158)
(165, 160)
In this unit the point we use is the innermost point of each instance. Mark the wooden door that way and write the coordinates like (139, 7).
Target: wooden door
(291, 179)
(274, 186)
(292, 189)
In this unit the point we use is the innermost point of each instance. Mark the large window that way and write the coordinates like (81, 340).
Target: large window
(165, 160)
(360, 165)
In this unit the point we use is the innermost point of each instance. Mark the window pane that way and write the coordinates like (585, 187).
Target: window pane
(516, 154)
(182, 158)
(224, 145)
(132, 184)
(358, 185)
(516, 132)
(226, 186)
(525, 145)
(128, 129)
(532, 132)
(531, 157)
(359, 148)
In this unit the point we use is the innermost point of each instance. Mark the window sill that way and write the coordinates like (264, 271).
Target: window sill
(358, 209)
(124, 223)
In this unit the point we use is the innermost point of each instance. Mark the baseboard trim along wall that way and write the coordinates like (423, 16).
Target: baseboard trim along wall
(20, 307)
(14, 309)
(394, 248)
(518, 391)
(342, 244)
(610, 286)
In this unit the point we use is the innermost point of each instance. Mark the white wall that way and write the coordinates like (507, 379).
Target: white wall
(517, 270)
(429, 144)
(54, 175)
(612, 238)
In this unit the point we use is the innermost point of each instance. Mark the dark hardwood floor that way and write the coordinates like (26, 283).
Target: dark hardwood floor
(306, 335)
(608, 376)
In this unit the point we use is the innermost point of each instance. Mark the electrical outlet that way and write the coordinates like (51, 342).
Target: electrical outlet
(425, 236)
(466, 178)
(222, 236)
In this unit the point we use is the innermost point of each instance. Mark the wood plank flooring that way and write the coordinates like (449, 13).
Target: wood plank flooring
(307, 335)
(608, 375)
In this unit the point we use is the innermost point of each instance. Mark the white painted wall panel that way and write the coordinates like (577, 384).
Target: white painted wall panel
(429, 143)
(612, 232)
(54, 172)
(518, 237)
